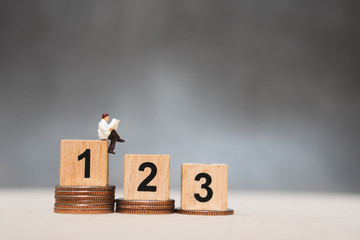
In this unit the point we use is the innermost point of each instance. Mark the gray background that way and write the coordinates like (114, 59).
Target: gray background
(270, 88)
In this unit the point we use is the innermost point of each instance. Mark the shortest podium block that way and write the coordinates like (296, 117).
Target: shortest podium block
(204, 189)
(84, 163)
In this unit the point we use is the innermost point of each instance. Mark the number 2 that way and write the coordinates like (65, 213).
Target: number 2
(205, 186)
(143, 187)
(86, 155)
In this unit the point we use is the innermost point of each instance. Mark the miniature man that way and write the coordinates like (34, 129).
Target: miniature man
(107, 132)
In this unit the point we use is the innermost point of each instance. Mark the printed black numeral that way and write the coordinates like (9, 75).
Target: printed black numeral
(143, 187)
(86, 155)
(205, 186)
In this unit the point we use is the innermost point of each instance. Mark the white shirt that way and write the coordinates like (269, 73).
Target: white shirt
(103, 131)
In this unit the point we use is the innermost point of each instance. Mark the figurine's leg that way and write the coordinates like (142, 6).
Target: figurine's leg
(115, 135)
(112, 134)
(112, 146)
(120, 140)
(112, 137)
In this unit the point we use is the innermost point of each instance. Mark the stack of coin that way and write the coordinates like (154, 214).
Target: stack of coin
(84, 199)
(145, 206)
(205, 212)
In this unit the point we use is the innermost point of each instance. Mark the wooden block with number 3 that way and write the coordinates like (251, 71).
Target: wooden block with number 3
(146, 177)
(204, 187)
(84, 163)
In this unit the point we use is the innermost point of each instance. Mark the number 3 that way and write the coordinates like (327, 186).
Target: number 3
(205, 186)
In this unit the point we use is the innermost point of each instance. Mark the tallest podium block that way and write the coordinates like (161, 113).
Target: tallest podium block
(84, 163)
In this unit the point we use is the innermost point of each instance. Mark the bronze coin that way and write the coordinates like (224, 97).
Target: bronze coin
(121, 201)
(85, 201)
(83, 206)
(205, 212)
(85, 188)
(75, 198)
(78, 211)
(144, 207)
(130, 211)
(87, 193)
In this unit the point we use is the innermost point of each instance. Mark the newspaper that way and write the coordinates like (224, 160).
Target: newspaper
(114, 123)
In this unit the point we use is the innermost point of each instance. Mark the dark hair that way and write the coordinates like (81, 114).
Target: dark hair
(104, 115)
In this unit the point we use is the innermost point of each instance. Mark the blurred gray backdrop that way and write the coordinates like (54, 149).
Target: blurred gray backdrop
(270, 88)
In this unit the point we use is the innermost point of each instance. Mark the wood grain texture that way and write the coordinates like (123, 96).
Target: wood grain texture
(133, 177)
(219, 186)
(72, 170)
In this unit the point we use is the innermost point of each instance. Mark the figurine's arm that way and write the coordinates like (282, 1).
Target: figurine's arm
(105, 127)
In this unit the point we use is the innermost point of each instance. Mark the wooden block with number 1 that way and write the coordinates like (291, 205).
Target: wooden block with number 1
(84, 163)
(146, 177)
(204, 187)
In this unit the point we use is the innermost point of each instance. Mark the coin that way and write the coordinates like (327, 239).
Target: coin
(85, 201)
(78, 211)
(121, 201)
(130, 211)
(87, 193)
(145, 207)
(83, 206)
(69, 197)
(85, 188)
(205, 212)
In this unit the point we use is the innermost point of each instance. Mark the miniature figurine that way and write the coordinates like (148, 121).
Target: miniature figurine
(108, 131)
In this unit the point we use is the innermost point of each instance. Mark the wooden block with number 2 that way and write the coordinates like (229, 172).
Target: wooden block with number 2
(146, 177)
(204, 187)
(84, 163)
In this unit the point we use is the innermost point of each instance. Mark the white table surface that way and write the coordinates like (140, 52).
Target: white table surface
(28, 214)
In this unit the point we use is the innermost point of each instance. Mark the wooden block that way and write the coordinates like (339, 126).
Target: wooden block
(146, 177)
(84, 163)
(204, 187)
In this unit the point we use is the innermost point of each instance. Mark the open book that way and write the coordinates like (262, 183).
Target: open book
(114, 123)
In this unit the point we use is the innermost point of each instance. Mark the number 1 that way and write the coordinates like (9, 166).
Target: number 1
(86, 155)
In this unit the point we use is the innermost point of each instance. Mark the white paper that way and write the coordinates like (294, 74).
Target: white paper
(114, 123)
